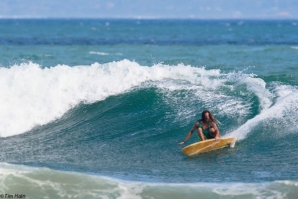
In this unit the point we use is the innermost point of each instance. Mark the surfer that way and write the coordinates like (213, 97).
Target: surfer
(207, 128)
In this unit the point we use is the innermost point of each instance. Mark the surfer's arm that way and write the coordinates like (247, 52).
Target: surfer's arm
(200, 133)
(195, 126)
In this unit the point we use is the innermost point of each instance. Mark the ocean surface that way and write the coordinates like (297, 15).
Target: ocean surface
(94, 108)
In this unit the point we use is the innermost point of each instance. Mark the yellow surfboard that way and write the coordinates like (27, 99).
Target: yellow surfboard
(207, 145)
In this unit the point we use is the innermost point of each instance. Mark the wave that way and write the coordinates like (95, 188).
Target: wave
(47, 183)
(34, 96)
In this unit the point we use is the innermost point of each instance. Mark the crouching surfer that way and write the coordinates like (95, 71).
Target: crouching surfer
(207, 128)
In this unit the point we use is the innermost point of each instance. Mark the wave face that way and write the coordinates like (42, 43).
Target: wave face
(124, 120)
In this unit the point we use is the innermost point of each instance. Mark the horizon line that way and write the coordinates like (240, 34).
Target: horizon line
(148, 18)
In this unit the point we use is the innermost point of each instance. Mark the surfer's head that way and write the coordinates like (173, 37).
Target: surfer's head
(207, 116)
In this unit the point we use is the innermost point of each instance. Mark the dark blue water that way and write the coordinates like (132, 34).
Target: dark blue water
(157, 32)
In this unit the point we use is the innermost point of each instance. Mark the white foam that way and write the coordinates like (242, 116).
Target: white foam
(103, 53)
(98, 53)
(284, 109)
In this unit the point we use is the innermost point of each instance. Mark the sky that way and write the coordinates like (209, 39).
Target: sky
(152, 9)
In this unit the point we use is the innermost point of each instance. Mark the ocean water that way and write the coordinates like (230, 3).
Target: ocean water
(95, 108)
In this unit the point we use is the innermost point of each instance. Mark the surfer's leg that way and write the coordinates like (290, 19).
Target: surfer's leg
(212, 132)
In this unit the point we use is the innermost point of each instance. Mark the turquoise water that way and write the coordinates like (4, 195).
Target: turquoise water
(95, 108)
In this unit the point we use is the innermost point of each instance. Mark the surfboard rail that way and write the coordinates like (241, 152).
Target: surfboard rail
(208, 145)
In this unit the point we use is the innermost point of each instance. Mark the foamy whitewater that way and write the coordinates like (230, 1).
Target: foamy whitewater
(100, 116)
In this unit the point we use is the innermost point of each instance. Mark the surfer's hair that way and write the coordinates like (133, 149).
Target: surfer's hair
(212, 118)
